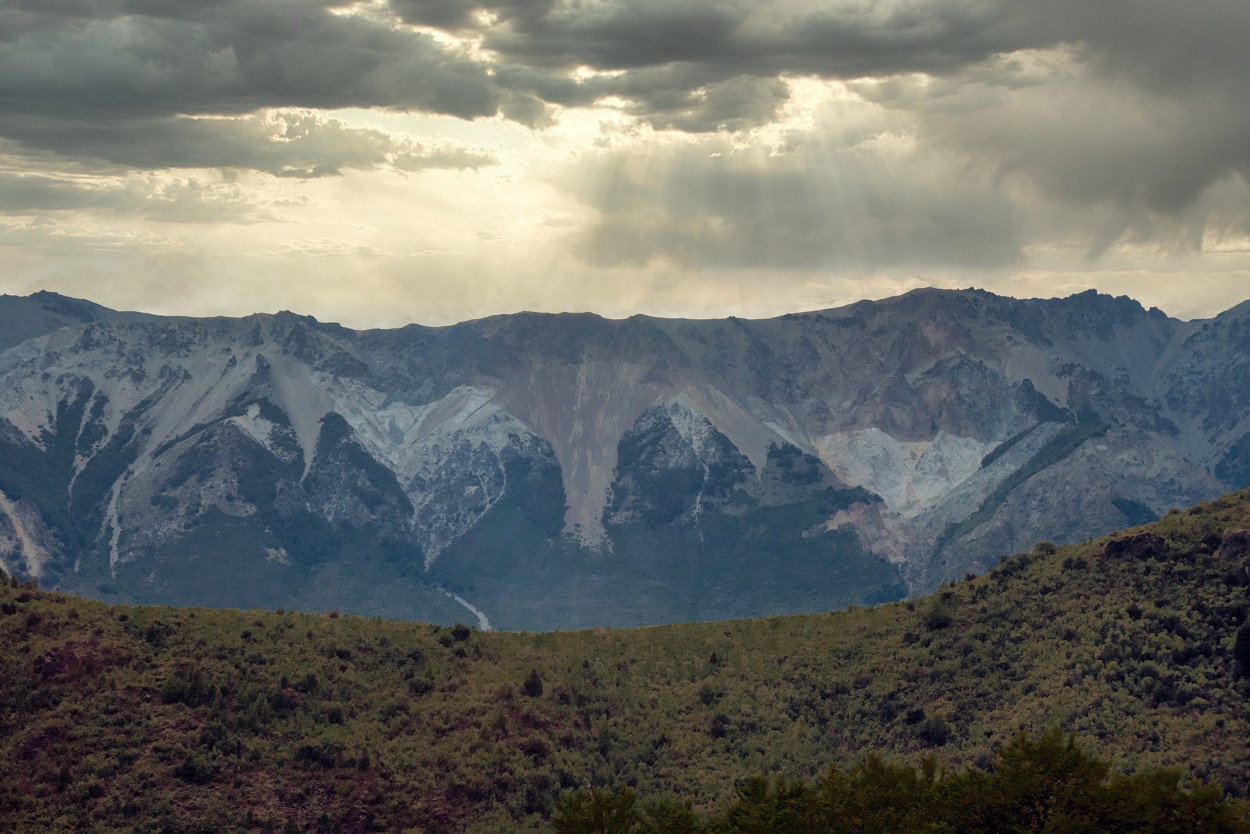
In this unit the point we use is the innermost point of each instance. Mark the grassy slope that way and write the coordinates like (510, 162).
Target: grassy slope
(182, 720)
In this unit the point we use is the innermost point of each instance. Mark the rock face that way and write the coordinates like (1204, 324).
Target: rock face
(559, 471)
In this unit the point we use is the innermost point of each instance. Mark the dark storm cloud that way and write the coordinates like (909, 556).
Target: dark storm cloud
(693, 65)
(112, 81)
(1078, 138)
(845, 40)
(730, 104)
(701, 65)
(1157, 120)
(120, 59)
(1158, 41)
(1161, 45)
(685, 97)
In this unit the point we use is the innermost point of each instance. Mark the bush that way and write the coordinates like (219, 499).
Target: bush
(194, 689)
(194, 769)
(325, 754)
(935, 731)
(937, 617)
(1241, 653)
(533, 685)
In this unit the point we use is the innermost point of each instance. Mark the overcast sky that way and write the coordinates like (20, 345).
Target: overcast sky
(382, 162)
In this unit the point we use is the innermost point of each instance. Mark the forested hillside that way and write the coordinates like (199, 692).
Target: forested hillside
(159, 719)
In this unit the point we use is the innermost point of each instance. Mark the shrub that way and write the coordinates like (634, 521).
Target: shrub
(533, 685)
(937, 617)
(194, 769)
(935, 731)
(325, 754)
(194, 689)
(1241, 652)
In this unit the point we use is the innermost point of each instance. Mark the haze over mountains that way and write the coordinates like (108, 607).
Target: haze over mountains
(558, 471)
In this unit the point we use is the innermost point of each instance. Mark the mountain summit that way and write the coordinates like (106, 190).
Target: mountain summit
(559, 471)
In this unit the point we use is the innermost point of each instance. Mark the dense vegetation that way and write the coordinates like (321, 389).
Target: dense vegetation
(157, 719)
(1036, 785)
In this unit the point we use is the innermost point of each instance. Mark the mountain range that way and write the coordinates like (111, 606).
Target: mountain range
(537, 471)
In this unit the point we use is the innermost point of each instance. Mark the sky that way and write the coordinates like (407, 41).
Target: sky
(382, 162)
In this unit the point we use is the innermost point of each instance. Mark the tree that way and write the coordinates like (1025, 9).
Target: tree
(876, 796)
(1154, 801)
(1043, 784)
(595, 811)
(767, 808)
(670, 818)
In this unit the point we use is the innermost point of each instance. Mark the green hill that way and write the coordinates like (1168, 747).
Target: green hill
(168, 720)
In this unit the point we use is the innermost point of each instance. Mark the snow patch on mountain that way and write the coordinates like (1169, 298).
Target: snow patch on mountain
(910, 476)
(302, 397)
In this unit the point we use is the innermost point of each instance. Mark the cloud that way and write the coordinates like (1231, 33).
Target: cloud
(1086, 154)
(706, 65)
(283, 143)
(1159, 45)
(328, 247)
(687, 98)
(713, 206)
(842, 40)
(984, 170)
(128, 59)
(686, 65)
(164, 199)
(1144, 111)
